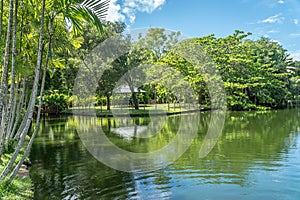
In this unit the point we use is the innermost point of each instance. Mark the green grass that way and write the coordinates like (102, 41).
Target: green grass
(18, 189)
(143, 110)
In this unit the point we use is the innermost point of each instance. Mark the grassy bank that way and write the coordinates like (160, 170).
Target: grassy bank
(18, 189)
(144, 111)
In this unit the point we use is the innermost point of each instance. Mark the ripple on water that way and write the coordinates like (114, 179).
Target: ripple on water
(259, 167)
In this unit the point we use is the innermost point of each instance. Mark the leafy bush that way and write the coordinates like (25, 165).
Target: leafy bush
(55, 102)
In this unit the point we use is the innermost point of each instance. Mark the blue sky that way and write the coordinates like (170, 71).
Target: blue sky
(278, 20)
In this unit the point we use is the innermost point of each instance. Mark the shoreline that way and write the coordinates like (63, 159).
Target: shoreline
(142, 114)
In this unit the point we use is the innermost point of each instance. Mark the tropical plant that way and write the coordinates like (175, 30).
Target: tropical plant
(40, 32)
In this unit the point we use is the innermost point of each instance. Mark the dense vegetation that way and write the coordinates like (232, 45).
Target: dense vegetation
(36, 37)
(43, 44)
(256, 74)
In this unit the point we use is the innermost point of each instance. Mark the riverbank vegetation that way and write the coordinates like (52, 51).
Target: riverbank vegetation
(33, 35)
(20, 188)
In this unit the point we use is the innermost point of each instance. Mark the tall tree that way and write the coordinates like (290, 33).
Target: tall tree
(51, 14)
(1, 17)
(4, 78)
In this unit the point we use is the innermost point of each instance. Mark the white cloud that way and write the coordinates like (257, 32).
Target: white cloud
(273, 31)
(294, 35)
(281, 2)
(273, 19)
(295, 55)
(296, 21)
(129, 13)
(113, 13)
(144, 5)
(158, 3)
(129, 8)
(131, 18)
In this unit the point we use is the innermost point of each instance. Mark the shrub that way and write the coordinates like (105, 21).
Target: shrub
(55, 102)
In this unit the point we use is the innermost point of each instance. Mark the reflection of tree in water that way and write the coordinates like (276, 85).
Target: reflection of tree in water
(144, 138)
(62, 167)
(249, 140)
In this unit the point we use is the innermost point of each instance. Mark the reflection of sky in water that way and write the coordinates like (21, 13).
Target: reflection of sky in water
(150, 188)
(257, 157)
(279, 179)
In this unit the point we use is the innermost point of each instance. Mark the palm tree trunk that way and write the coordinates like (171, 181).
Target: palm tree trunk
(3, 89)
(19, 107)
(13, 74)
(21, 127)
(26, 153)
(13, 114)
(32, 99)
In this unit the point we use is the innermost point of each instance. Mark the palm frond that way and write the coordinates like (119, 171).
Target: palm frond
(98, 7)
(91, 11)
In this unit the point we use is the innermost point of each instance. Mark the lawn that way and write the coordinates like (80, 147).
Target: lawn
(144, 110)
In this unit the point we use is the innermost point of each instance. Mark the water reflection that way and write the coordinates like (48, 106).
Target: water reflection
(258, 155)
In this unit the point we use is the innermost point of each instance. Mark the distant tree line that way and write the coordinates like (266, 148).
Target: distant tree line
(257, 74)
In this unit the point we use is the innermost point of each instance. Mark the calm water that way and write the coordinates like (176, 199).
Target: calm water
(257, 156)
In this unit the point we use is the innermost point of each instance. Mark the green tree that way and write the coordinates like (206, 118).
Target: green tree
(53, 14)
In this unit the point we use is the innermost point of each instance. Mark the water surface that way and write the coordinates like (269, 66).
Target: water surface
(257, 156)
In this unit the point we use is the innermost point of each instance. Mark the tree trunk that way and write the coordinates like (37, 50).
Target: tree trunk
(3, 89)
(6, 118)
(108, 102)
(23, 123)
(135, 101)
(133, 93)
(21, 126)
(18, 111)
(201, 97)
(32, 99)
(12, 115)
(26, 153)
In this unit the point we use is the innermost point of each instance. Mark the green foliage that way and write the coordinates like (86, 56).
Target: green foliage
(10, 148)
(56, 102)
(255, 73)
(19, 188)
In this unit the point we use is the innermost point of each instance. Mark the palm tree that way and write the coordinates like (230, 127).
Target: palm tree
(75, 13)
(27, 120)
(4, 79)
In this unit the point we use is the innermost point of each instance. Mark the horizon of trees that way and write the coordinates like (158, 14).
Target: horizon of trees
(257, 74)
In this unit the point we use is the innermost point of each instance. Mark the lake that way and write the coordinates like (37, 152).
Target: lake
(257, 156)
